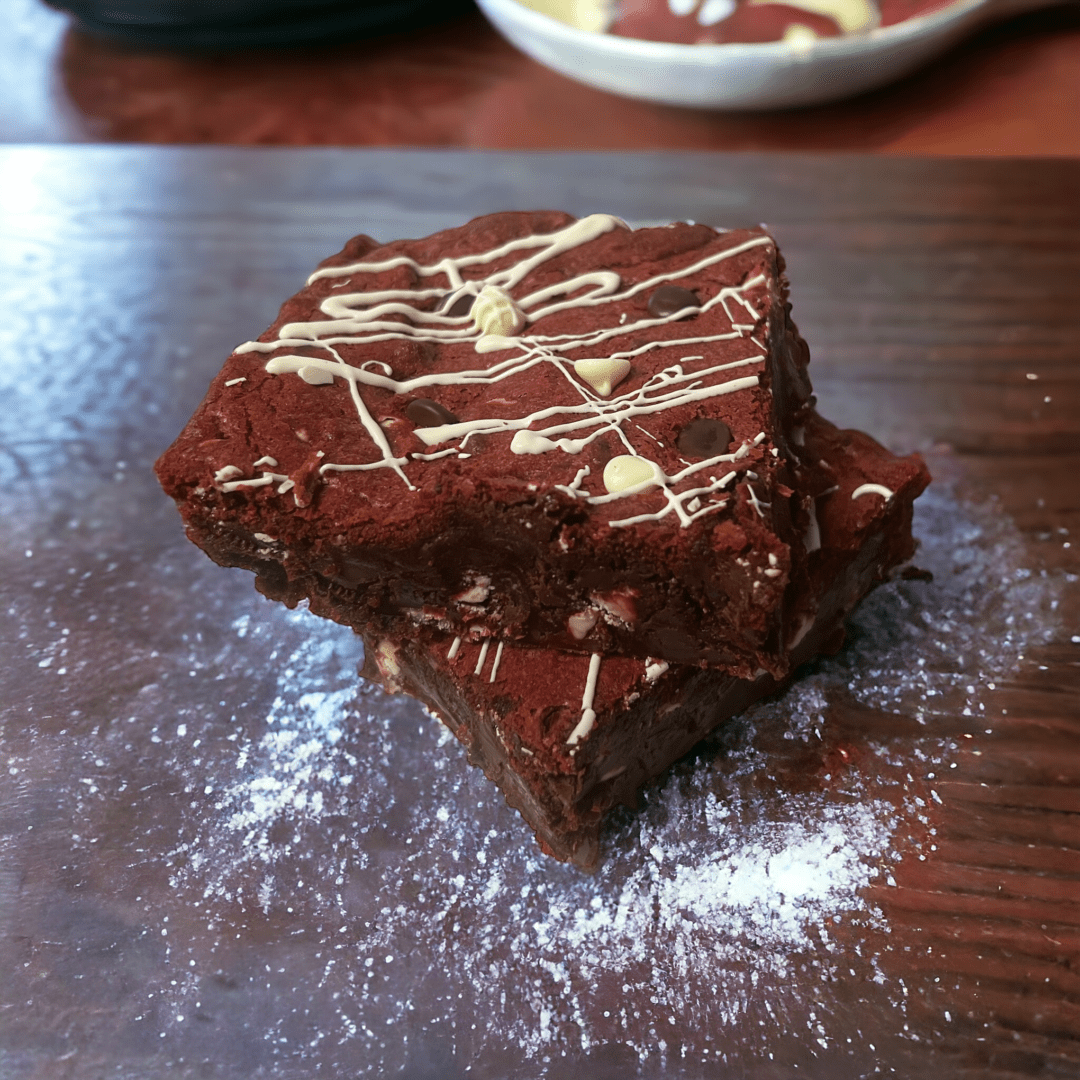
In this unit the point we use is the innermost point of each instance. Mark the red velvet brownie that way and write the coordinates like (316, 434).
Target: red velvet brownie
(549, 432)
(567, 736)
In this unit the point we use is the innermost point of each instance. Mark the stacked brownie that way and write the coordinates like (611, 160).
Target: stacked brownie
(566, 479)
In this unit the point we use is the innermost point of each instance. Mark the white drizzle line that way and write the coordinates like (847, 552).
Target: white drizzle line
(454, 647)
(436, 455)
(755, 502)
(483, 658)
(266, 459)
(574, 486)
(267, 478)
(495, 665)
(588, 717)
(681, 502)
(653, 396)
(649, 433)
(366, 317)
(332, 466)
(236, 382)
(873, 489)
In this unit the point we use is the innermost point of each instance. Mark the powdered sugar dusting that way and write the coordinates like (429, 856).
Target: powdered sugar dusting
(351, 819)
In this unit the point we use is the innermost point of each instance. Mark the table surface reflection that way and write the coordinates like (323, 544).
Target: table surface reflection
(221, 855)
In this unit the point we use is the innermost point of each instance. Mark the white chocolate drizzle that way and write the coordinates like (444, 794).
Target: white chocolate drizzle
(435, 457)
(482, 659)
(588, 716)
(851, 16)
(315, 376)
(283, 482)
(873, 489)
(681, 503)
(754, 501)
(455, 646)
(495, 665)
(498, 323)
(574, 486)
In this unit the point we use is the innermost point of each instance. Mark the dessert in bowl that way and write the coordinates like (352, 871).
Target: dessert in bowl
(741, 54)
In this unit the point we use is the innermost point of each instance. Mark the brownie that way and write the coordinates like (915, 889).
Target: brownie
(554, 434)
(566, 737)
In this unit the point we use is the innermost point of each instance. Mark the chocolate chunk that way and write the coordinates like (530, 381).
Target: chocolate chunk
(704, 438)
(461, 306)
(424, 412)
(671, 298)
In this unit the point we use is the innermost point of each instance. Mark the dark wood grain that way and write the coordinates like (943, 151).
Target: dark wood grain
(930, 292)
(1009, 90)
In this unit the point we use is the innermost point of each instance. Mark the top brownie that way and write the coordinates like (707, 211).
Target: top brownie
(561, 432)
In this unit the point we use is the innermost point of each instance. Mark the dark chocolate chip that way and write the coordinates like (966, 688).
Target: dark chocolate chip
(424, 412)
(671, 298)
(461, 306)
(704, 438)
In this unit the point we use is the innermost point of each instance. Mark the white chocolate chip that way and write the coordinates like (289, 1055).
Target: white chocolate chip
(495, 314)
(581, 623)
(618, 605)
(315, 376)
(602, 374)
(624, 472)
(654, 669)
(799, 37)
(477, 593)
(387, 662)
(714, 11)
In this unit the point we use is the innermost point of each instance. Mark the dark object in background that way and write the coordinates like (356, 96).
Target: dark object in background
(241, 24)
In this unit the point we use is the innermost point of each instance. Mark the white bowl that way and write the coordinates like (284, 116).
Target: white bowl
(773, 75)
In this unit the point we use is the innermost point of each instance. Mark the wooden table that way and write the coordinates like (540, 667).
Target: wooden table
(218, 859)
(1011, 90)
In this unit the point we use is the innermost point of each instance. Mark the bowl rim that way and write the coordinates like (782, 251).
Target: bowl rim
(879, 37)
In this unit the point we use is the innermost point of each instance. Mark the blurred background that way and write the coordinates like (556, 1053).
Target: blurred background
(416, 73)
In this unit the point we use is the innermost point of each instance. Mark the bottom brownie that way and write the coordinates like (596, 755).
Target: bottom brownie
(567, 736)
